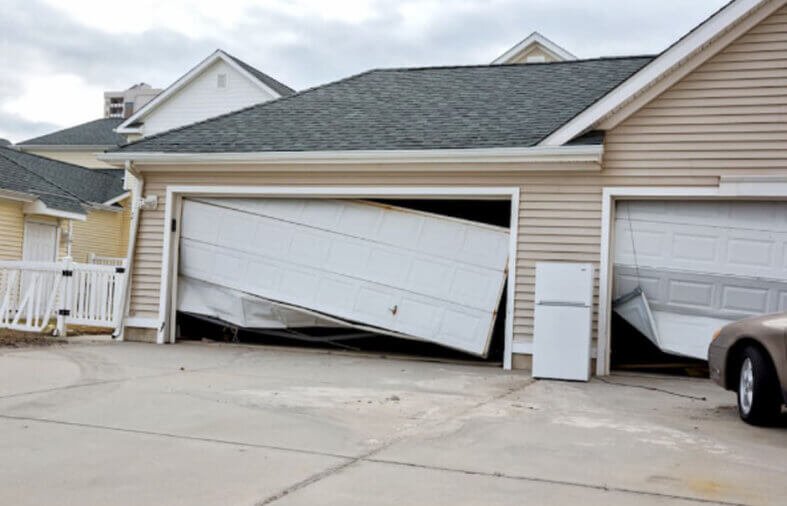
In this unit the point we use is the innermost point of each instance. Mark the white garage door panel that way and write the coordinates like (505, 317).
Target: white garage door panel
(401, 266)
(702, 263)
(307, 254)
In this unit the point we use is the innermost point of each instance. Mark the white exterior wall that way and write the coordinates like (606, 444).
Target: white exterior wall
(202, 99)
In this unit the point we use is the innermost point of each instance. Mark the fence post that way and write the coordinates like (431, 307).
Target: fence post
(64, 311)
(121, 278)
(91, 258)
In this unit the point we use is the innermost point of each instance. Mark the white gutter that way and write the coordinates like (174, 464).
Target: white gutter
(136, 208)
(531, 155)
(20, 196)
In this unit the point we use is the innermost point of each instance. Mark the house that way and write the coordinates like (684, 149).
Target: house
(535, 48)
(122, 104)
(677, 145)
(51, 209)
(219, 84)
(78, 144)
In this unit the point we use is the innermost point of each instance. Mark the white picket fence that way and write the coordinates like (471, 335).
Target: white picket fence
(92, 258)
(34, 294)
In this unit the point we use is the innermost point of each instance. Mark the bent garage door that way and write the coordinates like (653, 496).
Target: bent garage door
(701, 264)
(406, 272)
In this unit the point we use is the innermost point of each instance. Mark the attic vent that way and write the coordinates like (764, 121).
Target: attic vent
(536, 59)
(221, 81)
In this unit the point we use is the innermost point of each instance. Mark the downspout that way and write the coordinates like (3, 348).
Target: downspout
(136, 208)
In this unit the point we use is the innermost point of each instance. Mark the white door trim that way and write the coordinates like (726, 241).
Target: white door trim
(730, 188)
(175, 193)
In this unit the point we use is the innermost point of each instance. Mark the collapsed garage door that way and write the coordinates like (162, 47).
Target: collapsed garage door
(274, 263)
(700, 265)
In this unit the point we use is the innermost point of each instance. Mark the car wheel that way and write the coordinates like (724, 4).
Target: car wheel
(759, 402)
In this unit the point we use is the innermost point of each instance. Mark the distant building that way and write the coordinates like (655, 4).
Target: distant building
(122, 104)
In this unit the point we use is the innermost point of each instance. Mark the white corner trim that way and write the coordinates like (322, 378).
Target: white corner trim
(534, 39)
(38, 207)
(182, 82)
(551, 154)
(690, 44)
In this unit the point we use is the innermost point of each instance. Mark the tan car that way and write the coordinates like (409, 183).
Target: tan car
(750, 358)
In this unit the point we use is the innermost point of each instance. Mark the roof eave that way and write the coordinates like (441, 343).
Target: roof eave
(570, 158)
(692, 44)
(40, 208)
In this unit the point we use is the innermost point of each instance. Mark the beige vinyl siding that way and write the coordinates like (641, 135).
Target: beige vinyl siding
(102, 234)
(728, 117)
(12, 226)
(85, 158)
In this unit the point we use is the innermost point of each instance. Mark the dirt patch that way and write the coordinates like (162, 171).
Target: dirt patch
(17, 339)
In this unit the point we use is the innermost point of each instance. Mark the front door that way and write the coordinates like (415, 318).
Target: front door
(40, 242)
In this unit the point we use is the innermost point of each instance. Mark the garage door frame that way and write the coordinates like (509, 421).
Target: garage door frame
(173, 210)
(772, 188)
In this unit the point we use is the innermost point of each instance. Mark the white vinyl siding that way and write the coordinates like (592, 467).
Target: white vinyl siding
(202, 98)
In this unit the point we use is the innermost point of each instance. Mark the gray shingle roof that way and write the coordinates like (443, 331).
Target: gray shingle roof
(280, 88)
(422, 108)
(58, 184)
(98, 132)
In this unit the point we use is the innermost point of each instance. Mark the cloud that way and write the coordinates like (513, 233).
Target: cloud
(106, 45)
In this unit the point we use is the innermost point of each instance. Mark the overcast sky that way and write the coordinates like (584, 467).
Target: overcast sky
(59, 56)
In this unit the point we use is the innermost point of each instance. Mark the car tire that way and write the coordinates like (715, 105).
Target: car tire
(759, 402)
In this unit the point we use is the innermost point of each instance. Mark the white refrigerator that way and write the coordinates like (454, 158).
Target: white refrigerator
(563, 321)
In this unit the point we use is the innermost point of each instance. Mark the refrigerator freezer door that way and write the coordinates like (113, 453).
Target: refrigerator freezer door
(561, 347)
(564, 283)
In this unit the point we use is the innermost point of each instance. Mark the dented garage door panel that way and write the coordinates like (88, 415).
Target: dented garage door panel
(702, 264)
(426, 276)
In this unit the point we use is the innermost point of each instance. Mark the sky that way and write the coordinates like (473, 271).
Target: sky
(58, 57)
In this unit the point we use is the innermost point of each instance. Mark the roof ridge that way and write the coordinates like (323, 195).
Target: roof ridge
(255, 69)
(61, 162)
(39, 176)
(522, 65)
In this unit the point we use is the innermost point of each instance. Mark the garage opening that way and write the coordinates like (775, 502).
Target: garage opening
(418, 277)
(683, 269)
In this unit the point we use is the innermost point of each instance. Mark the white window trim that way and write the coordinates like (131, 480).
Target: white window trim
(175, 195)
(730, 188)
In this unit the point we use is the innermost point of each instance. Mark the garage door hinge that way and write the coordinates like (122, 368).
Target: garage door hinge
(174, 225)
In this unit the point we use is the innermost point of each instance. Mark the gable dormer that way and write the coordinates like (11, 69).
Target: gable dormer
(534, 49)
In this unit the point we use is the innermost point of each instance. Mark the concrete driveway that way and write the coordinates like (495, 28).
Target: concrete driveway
(194, 424)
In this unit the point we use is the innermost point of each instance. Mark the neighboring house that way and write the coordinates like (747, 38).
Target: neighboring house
(78, 144)
(122, 104)
(535, 48)
(219, 84)
(701, 123)
(51, 209)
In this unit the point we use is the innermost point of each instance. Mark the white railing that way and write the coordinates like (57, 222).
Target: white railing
(33, 294)
(92, 258)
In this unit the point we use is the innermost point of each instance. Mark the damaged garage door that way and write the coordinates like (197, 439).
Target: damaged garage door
(404, 272)
(699, 265)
